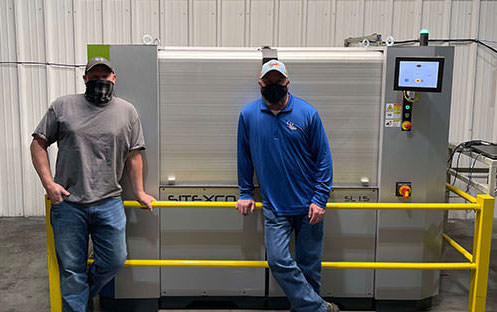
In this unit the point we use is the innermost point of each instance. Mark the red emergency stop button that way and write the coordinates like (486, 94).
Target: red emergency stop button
(406, 125)
(405, 191)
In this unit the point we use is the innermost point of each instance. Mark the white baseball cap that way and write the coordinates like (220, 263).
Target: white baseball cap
(273, 65)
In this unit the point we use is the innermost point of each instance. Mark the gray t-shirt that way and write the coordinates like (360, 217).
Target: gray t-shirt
(94, 142)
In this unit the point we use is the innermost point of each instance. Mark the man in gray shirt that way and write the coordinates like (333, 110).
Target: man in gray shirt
(97, 135)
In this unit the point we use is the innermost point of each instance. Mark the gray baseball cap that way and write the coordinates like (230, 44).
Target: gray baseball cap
(99, 60)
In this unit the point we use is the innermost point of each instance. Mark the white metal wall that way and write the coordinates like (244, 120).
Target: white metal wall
(59, 30)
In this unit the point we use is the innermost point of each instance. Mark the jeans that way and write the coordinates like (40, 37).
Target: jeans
(299, 278)
(72, 224)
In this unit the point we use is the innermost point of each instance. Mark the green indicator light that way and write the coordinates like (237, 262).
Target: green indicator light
(408, 106)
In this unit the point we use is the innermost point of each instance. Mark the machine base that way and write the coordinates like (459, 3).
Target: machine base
(129, 305)
(221, 303)
(256, 303)
(253, 303)
(403, 305)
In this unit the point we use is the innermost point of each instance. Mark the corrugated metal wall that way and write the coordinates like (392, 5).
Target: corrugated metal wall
(59, 30)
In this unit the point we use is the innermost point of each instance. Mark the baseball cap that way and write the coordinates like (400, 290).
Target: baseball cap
(99, 60)
(273, 65)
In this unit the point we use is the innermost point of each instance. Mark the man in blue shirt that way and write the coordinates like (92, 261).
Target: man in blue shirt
(282, 138)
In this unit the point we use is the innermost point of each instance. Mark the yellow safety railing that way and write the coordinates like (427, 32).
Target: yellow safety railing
(479, 260)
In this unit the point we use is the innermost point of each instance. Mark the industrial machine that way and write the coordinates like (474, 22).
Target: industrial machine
(386, 112)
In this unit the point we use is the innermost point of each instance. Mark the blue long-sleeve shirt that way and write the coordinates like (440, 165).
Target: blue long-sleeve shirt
(290, 154)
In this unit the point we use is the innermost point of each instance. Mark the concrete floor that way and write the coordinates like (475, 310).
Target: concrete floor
(24, 276)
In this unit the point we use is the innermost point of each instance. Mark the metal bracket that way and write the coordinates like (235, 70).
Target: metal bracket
(268, 54)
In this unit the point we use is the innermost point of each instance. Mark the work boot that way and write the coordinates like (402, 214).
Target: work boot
(331, 307)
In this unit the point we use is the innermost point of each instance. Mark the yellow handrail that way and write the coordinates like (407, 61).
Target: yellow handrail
(481, 253)
(479, 261)
(458, 247)
(324, 264)
(459, 192)
(53, 266)
(352, 206)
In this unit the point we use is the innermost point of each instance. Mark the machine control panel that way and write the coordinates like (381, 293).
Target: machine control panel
(406, 115)
(416, 74)
(419, 74)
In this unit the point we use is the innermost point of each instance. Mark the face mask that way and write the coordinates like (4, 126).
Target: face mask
(274, 94)
(99, 91)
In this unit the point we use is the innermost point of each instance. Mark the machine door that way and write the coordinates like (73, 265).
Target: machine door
(201, 94)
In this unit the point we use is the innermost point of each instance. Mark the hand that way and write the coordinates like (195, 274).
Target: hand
(243, 205)
(55, 192)
(316, 213)
(146, 200)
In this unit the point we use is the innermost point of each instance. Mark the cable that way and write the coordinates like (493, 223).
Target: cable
(466, 144)
(458, 149)
(490, 41)
(453, 40)
(471, 172)
(453, 152)
(44, 63)
(457, 167)
(408, 99)
(466, 40)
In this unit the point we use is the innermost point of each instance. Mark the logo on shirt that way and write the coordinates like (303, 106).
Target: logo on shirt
(290, 125)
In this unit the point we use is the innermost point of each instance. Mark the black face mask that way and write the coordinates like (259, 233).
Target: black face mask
(99, 91)
(274, 94)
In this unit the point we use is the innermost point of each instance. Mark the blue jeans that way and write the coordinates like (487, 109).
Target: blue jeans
(299, 278)
(72, 224)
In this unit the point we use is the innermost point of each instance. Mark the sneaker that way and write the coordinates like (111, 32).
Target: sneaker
(331, 307)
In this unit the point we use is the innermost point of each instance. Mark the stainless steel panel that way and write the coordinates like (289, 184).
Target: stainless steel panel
(345, 88)
(210, 234)
(201, 96)
(136, 69)
(349, 236)
(420, 157)
(202, 92)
